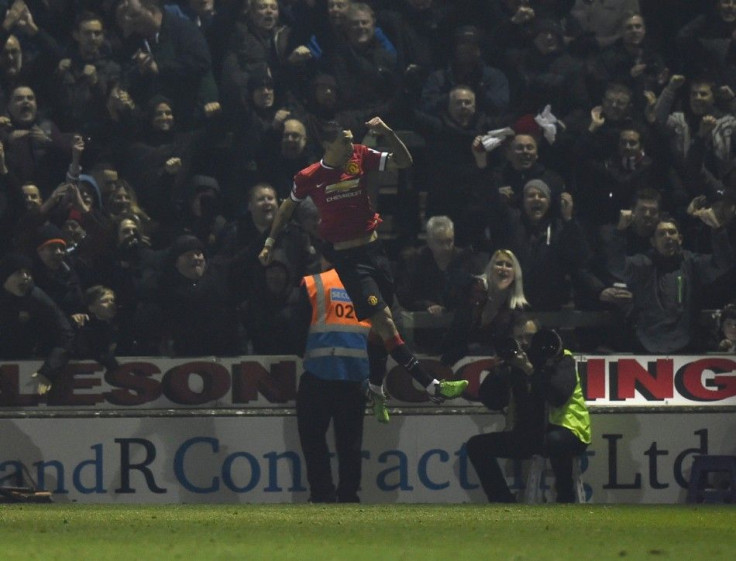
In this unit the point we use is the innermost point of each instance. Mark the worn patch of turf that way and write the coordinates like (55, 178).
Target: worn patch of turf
(367, 532)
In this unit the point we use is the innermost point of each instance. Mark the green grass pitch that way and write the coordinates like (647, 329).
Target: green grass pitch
(367, 532)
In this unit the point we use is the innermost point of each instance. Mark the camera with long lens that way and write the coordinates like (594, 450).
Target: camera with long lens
(545, 344)
(508, 348)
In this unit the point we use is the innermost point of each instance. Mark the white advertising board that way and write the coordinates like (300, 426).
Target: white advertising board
(271, 381)
(223, 430)
(634, 457)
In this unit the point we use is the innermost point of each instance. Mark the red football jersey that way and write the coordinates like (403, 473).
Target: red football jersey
(341, 194)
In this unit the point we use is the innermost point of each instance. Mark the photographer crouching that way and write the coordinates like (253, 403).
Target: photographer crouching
(536, 381)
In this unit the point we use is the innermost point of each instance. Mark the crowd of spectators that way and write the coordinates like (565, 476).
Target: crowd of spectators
(145, 145)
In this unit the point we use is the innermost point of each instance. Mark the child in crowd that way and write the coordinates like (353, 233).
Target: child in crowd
(97, 330)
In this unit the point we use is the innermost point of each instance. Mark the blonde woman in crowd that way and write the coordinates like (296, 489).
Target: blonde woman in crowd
(495, 300)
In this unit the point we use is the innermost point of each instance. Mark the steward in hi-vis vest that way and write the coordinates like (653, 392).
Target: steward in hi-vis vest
(332, 389)
(336, 343)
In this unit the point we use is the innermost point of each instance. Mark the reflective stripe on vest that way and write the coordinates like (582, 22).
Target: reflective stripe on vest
(574, 414)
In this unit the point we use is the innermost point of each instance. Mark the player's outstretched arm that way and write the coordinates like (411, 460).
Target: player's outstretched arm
(286, 210)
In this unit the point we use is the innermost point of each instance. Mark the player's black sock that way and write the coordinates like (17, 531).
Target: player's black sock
(403, 356)
(377, 357)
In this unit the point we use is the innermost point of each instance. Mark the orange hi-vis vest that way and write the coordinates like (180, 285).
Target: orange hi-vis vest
(337, 340)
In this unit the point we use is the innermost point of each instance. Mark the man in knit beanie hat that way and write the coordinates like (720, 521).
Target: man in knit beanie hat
(54, 274)
(31, 324)
(187, 253)
(11, 264)
(198, 298)
(49, 236)
(540, 185)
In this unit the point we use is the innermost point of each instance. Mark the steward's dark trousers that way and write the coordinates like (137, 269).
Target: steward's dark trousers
(317, 403)
(561, 447)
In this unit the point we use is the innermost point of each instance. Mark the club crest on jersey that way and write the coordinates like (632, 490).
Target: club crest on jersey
(372, 300)
(352, 168)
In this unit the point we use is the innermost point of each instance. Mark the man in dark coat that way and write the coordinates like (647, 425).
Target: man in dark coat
(172, 59)
(199, 302)
(31, 325)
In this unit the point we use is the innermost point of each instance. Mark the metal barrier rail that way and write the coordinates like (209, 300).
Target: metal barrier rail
(291, 412)
(564, 320)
